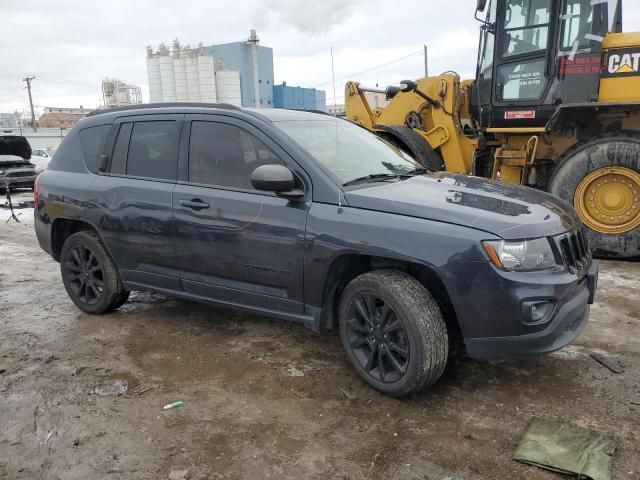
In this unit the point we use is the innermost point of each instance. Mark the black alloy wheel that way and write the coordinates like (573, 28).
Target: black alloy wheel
(85, 274)
(89, 274)
(377, 337)
(393, 332)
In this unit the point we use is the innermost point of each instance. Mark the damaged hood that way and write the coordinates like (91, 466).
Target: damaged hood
(15, 145)
(508, 211)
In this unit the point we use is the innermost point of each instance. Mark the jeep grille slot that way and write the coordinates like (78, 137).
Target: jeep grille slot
(575, 251)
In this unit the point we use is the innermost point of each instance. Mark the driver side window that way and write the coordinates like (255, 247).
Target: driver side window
(225, 155)
(526, 26)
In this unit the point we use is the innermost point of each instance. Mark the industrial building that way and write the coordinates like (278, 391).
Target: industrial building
(116, 93)
(298, 98)
(55, 117)
(239, 73)
(10, 120)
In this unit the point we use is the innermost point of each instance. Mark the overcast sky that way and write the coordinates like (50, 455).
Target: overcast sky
(70, 46)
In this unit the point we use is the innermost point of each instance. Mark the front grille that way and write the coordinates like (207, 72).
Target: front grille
(27, 173)
(575, 250)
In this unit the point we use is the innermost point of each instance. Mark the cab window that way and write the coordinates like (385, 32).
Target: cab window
(526, 26)
(577, 22)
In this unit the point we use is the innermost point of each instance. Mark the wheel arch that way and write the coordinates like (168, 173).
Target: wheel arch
(62, 228)
(348, 266)
(583, 144)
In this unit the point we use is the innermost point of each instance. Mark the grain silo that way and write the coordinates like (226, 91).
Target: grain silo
(153, 73)
(167, 75)
(228, 87)
(183, 74)
(180, 73)
(193, 80)
(207, 77)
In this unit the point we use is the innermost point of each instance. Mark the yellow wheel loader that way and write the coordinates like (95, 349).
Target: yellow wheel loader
(555, 105)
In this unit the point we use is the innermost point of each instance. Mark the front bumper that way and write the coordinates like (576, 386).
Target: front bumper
(513, 336)
(22, 181)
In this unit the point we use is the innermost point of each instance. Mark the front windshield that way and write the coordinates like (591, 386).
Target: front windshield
(349, 151)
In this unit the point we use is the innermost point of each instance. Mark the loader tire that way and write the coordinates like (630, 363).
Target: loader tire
(413, 144)
(601, 179)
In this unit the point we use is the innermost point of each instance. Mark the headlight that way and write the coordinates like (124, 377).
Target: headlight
(520, 255)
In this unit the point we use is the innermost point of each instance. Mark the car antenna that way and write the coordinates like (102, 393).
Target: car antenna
(335, 121)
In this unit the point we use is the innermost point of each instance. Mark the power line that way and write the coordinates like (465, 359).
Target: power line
(11, 93)
(372, 68)
(68, 81)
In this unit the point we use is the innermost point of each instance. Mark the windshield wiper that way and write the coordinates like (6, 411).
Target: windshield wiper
(373, 177)
(417, 171)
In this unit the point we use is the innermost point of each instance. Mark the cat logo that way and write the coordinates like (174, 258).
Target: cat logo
(621, 62)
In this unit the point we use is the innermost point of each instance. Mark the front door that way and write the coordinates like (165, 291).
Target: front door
(235, 244)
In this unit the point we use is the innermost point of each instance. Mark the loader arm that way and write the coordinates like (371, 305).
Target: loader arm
(433, 107)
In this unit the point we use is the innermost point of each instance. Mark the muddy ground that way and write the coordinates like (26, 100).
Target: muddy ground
(245, 416)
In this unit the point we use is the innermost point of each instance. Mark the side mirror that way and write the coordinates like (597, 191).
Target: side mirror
(275, 178)
(481, 5)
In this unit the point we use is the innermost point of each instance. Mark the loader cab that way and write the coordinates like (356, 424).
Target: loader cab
(537, 54)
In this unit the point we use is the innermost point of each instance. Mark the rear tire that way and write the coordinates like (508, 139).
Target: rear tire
(576, 177)
(89, 275)
(393, 332)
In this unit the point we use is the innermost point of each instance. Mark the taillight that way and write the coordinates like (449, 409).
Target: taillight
(36, 190)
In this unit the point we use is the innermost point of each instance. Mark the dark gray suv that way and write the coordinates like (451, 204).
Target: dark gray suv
(310, 218)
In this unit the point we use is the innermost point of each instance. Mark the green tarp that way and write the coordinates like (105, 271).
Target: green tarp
(565, 448)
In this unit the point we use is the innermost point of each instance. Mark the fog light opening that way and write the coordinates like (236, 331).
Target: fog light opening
(537, 311)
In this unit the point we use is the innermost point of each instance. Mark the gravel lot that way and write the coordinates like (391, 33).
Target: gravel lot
(246, 416)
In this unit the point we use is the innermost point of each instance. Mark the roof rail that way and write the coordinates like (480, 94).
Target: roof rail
(143, 106)
(317, 111)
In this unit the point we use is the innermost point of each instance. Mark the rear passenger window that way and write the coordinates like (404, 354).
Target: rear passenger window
(225, 155)
(153, 150)
(119, 156)
(92, 141)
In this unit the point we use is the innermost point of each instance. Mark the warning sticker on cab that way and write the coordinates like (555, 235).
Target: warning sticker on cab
(519, 114)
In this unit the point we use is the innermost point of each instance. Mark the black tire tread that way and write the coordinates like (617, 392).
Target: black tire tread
(426, 316)
(412, 143)
(115, 294)
(583, 158)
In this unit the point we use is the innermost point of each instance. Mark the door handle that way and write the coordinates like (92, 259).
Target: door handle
(195, 204)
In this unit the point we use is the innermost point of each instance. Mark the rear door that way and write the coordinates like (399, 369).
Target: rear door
(234, 243)
(132, 199)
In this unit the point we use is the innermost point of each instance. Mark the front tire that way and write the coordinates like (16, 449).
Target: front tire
(89, 275)
(601, 179)
(393, 332)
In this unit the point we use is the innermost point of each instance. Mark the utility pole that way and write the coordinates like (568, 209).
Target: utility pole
(33, 115)
(333, 80)
(426, 66)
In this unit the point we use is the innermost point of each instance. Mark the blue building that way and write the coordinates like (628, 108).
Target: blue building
(298, 98)
(237, 56)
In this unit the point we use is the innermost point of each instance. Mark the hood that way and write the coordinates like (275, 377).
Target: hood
(15, 145)
(508, 211)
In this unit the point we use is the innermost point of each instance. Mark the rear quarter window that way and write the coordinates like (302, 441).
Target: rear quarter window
(92, 142)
